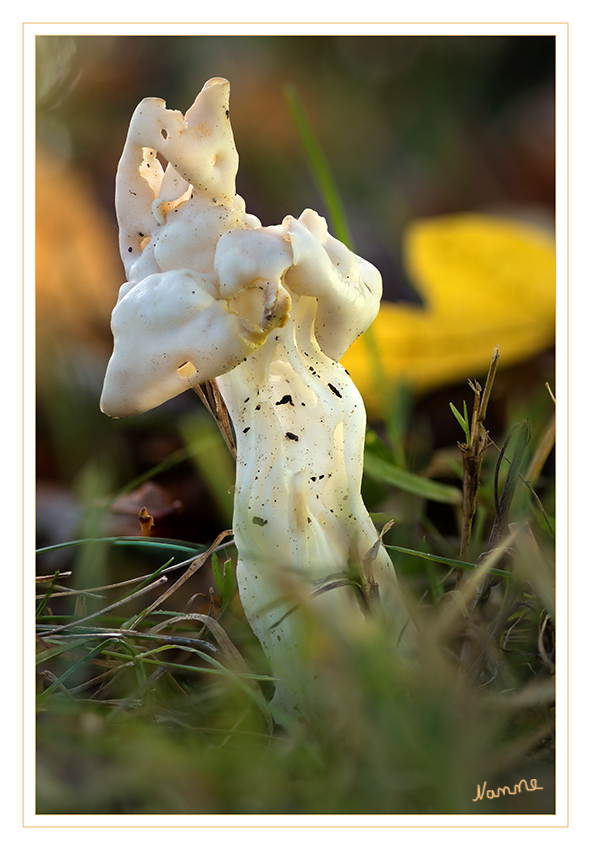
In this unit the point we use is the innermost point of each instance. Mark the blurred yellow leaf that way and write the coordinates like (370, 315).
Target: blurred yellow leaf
(485, 281)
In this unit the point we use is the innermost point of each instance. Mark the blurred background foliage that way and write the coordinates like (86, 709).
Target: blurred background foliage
(413, 128)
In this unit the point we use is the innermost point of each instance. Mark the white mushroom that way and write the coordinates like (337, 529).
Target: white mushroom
(268, 312)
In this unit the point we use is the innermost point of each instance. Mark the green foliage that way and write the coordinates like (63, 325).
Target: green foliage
(162, 707)
(409, 482)
(223, 577)
(463, 420)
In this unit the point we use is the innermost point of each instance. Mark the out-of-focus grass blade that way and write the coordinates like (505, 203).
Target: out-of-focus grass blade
(209, 454)
(380, 470)
(172, 460)
(337, 220)
(319, 167)
(156, 574)
(47, 597)
(152, 542)
(59, 649)
(80, 663)
(223, 577)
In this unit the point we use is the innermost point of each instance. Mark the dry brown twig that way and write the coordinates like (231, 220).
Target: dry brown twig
(473, 453)
(212, 399)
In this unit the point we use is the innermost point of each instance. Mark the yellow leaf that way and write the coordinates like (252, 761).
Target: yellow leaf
(485, 281)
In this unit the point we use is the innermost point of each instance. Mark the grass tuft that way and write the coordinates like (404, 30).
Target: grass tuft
(156, 699)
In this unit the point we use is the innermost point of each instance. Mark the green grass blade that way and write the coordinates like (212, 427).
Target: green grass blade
(380, 470)
(156, 574)
(152, 542)
(463, 420)
(175, 458)
(47, 597)
(217, 573)
(338, 225)
(319, 167)
(209, 455)
(66, 645)
(450, 562)
(80, 663)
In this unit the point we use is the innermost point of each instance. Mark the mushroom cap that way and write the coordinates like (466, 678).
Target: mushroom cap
(172, 332)
(206, 283)
(202, 161)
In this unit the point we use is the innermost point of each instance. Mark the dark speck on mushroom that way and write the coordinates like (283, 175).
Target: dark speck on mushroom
(285, 400)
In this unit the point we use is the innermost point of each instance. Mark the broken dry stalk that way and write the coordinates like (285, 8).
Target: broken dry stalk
(473, 453)
(213, 401)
